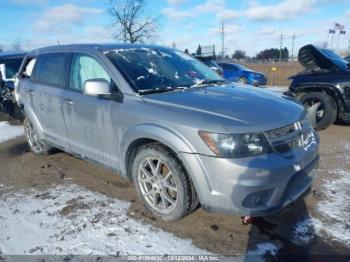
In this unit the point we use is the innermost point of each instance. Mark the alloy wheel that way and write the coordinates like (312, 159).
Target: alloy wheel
(157, 185)
(33, 138)
(320, 110)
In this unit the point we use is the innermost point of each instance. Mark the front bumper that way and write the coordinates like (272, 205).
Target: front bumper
(256, 186)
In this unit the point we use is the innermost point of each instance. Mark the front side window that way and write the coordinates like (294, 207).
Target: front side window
(51, 69)
(85, 68)
(160, 68)
(231, 67)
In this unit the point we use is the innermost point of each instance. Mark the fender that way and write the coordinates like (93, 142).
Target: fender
(170, 138)
(176, 142)
(331, 90)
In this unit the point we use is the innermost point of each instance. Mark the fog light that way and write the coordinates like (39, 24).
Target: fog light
(257, 199)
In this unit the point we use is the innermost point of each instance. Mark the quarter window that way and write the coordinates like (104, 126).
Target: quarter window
(51, 69)
(85, 68)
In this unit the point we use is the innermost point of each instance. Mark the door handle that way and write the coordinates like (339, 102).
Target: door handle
(68, 102)
(30, 92)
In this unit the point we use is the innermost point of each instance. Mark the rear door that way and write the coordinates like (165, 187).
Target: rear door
(49, 81)
(91, 121)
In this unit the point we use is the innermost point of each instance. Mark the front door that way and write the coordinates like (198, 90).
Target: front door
(90, 120)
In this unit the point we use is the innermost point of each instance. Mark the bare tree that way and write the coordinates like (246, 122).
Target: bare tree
(131, 22)
(16, 45)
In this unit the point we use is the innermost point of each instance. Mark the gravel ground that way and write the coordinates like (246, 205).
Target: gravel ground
(318, 223)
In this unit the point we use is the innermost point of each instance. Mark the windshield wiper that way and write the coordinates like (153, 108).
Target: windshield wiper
(160, 90)
(205, 82)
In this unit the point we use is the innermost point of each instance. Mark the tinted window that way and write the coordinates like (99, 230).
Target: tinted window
(232, 67)
(153, 68)
(51, 69)
(85, 68)
(12, 66)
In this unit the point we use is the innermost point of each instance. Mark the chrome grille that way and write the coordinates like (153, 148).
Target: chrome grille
(283, 131)
(296, 135)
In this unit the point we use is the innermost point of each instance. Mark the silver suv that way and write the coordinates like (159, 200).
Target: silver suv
(169, 124)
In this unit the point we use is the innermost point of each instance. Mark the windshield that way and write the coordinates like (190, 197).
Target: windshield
(212, 63)
(12, 66)
(160, 68)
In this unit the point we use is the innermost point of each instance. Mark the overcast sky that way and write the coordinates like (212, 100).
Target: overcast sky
(249, 25)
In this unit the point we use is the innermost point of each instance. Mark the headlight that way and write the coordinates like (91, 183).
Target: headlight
(236, 145)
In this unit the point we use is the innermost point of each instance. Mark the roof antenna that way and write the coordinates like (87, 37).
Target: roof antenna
(58, 42)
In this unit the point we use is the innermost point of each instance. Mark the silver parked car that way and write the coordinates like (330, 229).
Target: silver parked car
(169, 124)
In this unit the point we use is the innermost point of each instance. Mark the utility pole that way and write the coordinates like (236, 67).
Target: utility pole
(338, 51)
(223, 39)
(281, 47)
(293, 40)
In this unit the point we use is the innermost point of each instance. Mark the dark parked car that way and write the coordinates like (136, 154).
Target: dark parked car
(9, 66)
(324, 84)
(241, 74)
(209, 61)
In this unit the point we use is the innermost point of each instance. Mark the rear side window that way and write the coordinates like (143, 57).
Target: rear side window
(51, 69)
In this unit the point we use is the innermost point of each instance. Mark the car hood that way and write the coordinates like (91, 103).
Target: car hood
(240, 106)
(313, 58)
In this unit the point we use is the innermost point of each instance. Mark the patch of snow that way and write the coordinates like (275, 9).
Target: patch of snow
(304, 230)
(140, 77)
(71, 220)
(8, 131)
(151, 71)
(262, 249)
(335, 210)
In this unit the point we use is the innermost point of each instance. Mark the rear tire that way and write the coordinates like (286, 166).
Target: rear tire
(162, 183)
(327, 111)
(36, 145)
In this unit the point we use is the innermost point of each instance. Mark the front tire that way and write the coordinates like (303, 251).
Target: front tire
(243, 80)
(327, 110)
(161, 183)
(36, 145)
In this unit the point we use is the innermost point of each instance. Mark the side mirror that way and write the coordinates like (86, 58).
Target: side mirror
(96, 87)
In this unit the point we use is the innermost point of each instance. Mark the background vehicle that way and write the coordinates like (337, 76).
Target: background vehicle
(169, 124)
(210, 61)
(240, 74)
(325, 83)
(9, 66)
(347, 58)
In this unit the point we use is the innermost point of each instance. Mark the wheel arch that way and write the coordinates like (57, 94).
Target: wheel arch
(330, 90)
(137, 137)
(140, 135)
